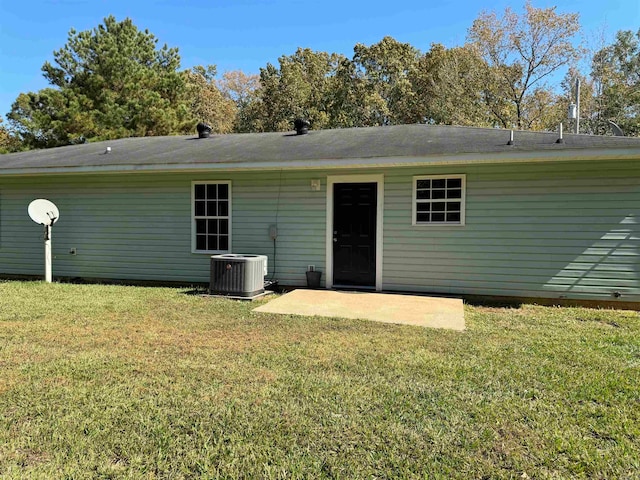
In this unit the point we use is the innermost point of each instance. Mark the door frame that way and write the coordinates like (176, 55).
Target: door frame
(333, 179)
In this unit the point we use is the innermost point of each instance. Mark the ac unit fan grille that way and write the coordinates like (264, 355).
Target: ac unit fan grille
(237, 275)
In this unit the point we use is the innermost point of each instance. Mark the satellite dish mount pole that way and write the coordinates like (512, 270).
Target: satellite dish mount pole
(47, 254)
(44, 212)
(47, 245)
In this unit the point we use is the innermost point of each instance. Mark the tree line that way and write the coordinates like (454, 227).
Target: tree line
(114, 81)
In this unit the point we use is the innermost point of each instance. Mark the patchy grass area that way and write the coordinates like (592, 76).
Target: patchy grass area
(126, 382)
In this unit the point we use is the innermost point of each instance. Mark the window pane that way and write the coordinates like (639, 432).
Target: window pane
(199, 192)
(211, 201)
(223, 208)
(212, 242)
(201, 242)
(454, 193)
(423, 194)
(438, 200)
(223, 192)
(453, 217)
(422, 217)
(199, 210)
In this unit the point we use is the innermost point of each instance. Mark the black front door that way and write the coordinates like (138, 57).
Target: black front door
(354, 234)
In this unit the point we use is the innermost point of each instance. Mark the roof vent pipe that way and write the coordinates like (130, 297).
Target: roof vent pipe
(204, 130)
(560, 139)
(510, 142)
(301, 126)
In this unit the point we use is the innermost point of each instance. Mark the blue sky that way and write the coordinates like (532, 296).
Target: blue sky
(246, 34)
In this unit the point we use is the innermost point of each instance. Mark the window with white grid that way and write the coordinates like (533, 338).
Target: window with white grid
(438, 200)
(211, 214)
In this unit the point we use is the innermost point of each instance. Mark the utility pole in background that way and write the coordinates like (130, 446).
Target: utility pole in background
(574, 109)
(577, 105)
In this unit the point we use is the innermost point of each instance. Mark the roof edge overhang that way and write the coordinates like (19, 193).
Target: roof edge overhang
(567, 155)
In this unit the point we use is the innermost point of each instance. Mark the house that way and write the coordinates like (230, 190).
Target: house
(412, 208)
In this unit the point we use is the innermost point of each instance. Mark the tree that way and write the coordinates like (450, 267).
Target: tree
(242, 89)
(616, 73)
(448, 86)
(299, 87)
(351, 100)
(8, 141)
(238, 86)
(52, 117)
(386, 67)
(108, 82)
(4, 136)
(130, 83)
(206, 102)
(544, 110)
(521, 52)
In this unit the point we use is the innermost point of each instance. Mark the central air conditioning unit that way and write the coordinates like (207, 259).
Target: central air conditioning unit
(237, 275)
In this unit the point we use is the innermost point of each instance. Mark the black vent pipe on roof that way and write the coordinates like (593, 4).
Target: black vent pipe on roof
(204, 130)
(301, 126)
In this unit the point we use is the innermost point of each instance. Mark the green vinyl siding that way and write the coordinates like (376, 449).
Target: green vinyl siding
(531, 230)
(557, 230)
(138, 226)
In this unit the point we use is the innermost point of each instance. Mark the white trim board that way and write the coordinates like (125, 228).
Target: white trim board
(333, 179)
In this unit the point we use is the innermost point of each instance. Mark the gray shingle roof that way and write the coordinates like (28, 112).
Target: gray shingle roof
(340, 146)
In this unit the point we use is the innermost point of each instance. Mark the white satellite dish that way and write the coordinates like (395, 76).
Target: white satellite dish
(44, 212)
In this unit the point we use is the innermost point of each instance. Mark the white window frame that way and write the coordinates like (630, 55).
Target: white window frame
(194, 218)
(414, 200)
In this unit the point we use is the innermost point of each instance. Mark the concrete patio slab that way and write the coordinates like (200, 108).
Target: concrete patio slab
(416, 310)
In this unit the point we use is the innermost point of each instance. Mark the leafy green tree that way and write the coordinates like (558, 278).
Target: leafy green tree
(616, 73)
(205, 101)
(242, 89)
(8, 141)
(544, 110)
(449, 87)
(108, 82)
(298, 87)
(131, 84)
(386, 67)
(521, 52)
(4, 137)
(51, 117)
(352, 102)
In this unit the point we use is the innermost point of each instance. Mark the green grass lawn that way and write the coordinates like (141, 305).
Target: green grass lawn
(128, 382)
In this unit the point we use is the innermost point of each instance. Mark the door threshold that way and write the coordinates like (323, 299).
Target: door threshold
(371, 288)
